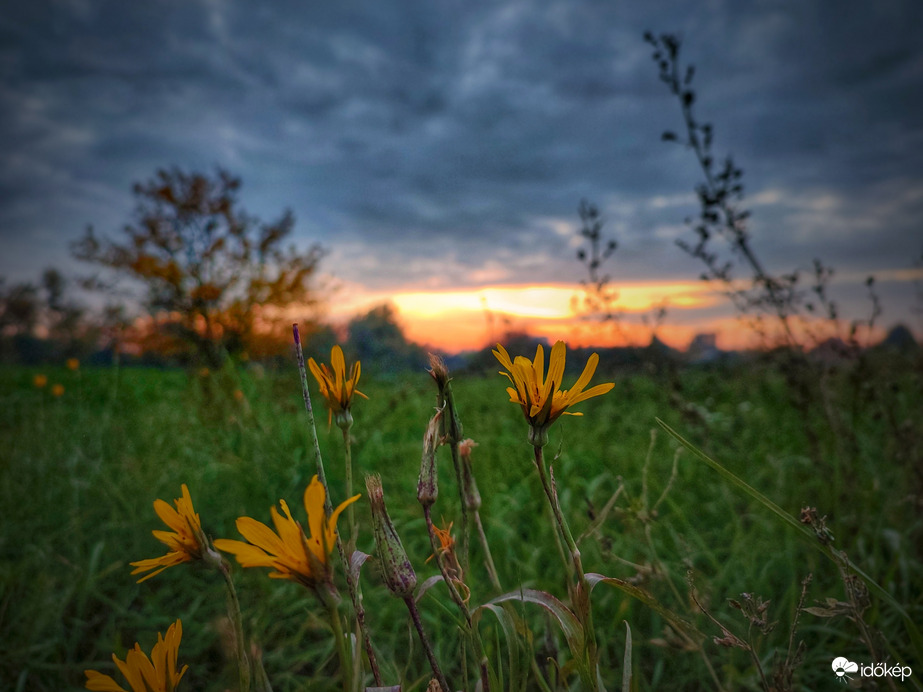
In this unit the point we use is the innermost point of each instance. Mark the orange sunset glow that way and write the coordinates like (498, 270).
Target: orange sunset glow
(471, 318)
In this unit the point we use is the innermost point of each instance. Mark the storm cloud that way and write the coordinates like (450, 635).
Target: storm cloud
(456, 139)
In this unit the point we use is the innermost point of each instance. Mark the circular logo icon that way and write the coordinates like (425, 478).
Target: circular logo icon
(842, 665)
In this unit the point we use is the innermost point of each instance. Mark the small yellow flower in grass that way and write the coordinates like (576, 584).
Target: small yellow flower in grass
(186, 541)
(57, 390)
(39, 381)
(291, 553)
(541, 398)
(73, 364)
(335, 388)
(155, 674)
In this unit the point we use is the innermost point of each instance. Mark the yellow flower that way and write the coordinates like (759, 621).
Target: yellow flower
(287, 550)
(186, 541)
(541, 398)
(155, 674)
(73, 363)
(57, 390)
(40, 381)
(334, 387)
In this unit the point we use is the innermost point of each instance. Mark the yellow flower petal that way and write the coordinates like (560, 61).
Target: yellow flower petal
(539, 394)
(288, 551)
(101, 683)
(182, 539)
(143, 673)
(334, 387)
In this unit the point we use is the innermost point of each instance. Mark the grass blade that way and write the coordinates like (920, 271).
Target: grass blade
(626, 661)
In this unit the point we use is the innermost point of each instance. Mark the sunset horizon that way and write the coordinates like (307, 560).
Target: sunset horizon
(457, 320)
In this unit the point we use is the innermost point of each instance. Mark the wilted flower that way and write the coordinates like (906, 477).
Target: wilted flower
(186, 541)
(446, 540)
(335, 388)
(288, 550)
(157, 673)
(541, 398)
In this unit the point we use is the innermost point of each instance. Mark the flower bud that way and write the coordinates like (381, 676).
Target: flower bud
(399, 576)
(428, 485)
(451, 425)
(439, 371)
(538, 435)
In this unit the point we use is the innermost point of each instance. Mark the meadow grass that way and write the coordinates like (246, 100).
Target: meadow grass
(80, 472)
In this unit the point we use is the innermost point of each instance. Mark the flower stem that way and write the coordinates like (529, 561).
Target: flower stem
(329, 600)
(355, 593)
(424, 640)
(581, 594)
(355, 596)
(352, 530)
(243, 663)
(488, 558)
(470, 628)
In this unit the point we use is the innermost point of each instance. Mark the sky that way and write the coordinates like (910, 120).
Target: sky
(439, 150)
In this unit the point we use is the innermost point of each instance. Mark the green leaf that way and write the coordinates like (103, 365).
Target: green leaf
(518, 666)
(681, 625)
(568, 622)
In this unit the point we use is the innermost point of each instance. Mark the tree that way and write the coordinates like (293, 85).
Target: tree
(376, 337)
(19, 308)
(215, 279)
(41, 322)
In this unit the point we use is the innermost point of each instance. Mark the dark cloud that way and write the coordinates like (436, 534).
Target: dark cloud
(468, 131)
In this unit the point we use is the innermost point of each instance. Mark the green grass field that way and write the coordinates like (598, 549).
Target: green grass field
(80, 472)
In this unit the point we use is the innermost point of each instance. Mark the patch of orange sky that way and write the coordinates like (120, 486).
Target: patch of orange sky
(461, 319)
(466, 319)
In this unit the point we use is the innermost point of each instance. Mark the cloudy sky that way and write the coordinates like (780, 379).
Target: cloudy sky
(439, 149)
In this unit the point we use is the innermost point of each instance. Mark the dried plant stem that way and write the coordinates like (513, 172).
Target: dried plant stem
(460, 479)
(453, 433)
(472, 500)
(756, 661)
(471, 629)
(581, 594)
(427, 647)
(355, 594)
(488, 558)
(243, 663)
